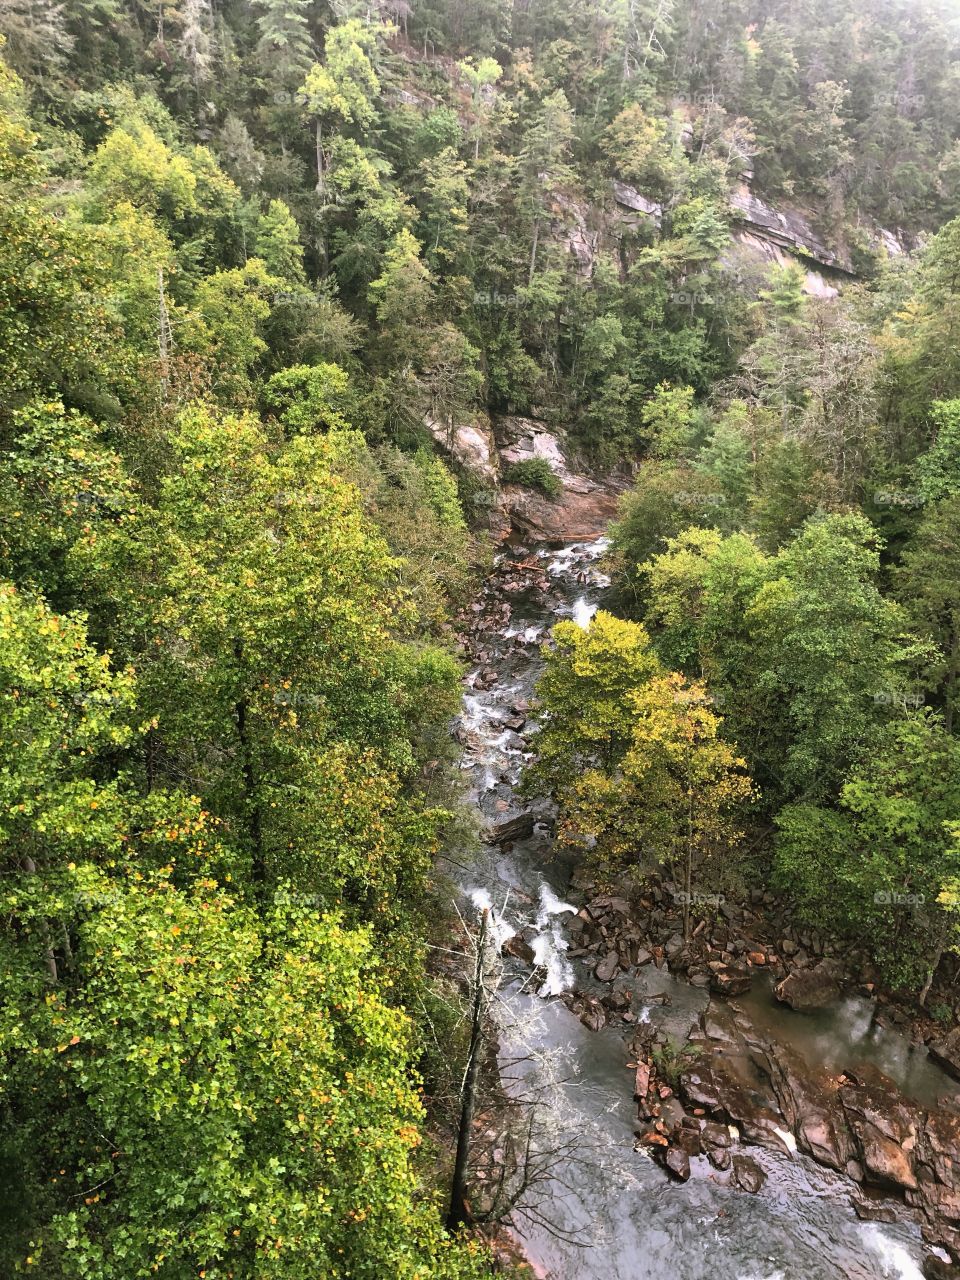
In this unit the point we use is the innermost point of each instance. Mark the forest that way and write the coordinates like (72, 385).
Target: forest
(260, 261)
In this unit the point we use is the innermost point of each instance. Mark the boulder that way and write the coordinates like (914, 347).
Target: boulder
(727, 980)
(516, 826)
(518, 948)
(946, 1052)
(885, 1129)
(810, 988)
(935, 1268)
(607, 968)
(593, 1015)
(747, 1174)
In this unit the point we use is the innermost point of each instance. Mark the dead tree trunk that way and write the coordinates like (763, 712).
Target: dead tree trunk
(458, 1212)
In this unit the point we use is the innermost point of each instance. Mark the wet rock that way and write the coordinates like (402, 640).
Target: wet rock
(518, 826)
(714, 1136)
(643, 957)
(719, 1158)
(947, 1052)
(677, 1163)
(593, 1015)
(518, 948)
(885, 1129)
(747, 1174)
(688, 1140)
(607, 968)
(935, 1268)
(726, 980)
(810, 988)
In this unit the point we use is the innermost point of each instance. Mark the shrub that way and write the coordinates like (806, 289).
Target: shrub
(534, 473)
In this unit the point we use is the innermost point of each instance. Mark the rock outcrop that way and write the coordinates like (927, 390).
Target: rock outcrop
(857, 1122)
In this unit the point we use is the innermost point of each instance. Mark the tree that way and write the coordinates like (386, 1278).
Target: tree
(232, 1095)
(544, 165)
(585, 693)
(875, 867)
(481, 77)
(671, 798)
(344, 88)
(278, 243)
(668, 419)
(285, 44)
(308, 398)
(929, 586)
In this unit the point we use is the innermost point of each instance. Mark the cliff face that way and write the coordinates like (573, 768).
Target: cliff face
(763, 235)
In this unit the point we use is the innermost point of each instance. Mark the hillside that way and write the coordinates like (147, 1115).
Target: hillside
(479, 517)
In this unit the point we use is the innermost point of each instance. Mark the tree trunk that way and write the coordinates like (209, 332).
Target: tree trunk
(320, 191)
(533, 250)
(458, 1212)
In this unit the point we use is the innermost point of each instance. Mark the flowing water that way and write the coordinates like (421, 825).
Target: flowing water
(607, 1212)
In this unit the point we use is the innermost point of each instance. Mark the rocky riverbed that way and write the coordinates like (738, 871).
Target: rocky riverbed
(713, 1137)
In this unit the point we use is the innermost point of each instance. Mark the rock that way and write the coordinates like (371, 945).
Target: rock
(518, 826)
(643, 957)
(885, 1129)
(518, 948)
(947, 1052)
(688, 1140)
(726, 980)
(788, 947)
(747, 1174)
(607, 968)
(934, 1268)
(677, 1162)
(812, 988)
(642, 1082)
(719, 1158)
(674, 946)
(715, 1136)
(593, 1015)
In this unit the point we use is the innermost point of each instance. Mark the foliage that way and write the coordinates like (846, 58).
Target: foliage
(534, 473)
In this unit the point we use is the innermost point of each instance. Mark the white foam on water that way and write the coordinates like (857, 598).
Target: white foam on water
(893, 1257)
(644, 1014)
(500, 930)
(583, 611)
(551, 905)
(548, 949)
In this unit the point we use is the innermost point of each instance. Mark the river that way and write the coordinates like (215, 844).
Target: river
(608, 1212)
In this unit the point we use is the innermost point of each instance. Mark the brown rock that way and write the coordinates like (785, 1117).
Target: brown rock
(747, 1174)
(677, 1162)
(810, 988)
(947, 1052)
(518, 948)
(642, 1082)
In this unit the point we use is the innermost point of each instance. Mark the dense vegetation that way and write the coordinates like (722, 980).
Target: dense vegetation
(254, 259)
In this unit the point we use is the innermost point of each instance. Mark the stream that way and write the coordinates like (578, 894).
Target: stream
(607, 1211)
